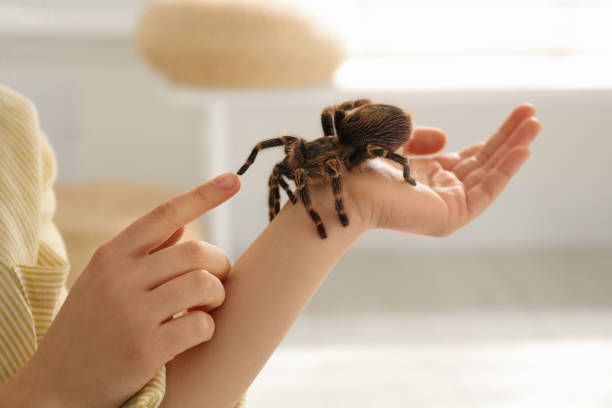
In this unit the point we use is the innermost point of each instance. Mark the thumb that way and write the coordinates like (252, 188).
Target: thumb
(424, 140)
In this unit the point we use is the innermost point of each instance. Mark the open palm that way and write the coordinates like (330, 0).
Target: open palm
(453, 188)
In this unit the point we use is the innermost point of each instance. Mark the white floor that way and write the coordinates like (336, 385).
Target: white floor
(496, 330)
(571, 373)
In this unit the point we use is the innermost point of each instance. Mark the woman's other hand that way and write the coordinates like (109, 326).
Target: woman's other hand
(116, 329)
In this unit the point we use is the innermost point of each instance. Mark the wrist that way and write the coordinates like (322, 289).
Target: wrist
(384, 199)
(30, 387)
(361, 196)
(354, 207)
(17, 393)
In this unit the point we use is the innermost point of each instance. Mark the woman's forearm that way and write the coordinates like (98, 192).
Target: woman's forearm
(269, 286)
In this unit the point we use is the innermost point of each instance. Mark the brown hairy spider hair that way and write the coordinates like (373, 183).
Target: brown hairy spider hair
(363, 130)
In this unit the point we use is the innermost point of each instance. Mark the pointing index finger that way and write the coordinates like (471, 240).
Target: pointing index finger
(155, 227)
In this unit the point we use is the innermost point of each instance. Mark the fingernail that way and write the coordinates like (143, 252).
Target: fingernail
(225, 181)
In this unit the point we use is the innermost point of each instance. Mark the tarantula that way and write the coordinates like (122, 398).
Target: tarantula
(363, 130)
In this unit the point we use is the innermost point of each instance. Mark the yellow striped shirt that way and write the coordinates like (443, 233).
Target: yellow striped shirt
(33, 259)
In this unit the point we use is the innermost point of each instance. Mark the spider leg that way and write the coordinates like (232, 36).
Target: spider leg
(302, 187)
(339, 114)
(274, 195)
(340, 110)
(356, 158)
(279, 141)
(327, 117)
(332, 167)
(373, 151)
(327, 121)
(287, 189)
(276, 179)
(354, 104)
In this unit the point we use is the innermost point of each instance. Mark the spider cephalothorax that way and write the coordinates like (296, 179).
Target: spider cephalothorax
(362, 131)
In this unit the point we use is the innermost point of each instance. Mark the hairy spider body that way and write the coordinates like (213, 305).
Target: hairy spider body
(362, 131)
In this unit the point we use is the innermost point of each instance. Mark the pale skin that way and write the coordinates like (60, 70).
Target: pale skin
(268, 287)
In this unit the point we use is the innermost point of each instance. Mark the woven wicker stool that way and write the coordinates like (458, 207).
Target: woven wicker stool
(237, 43)
(89, 214)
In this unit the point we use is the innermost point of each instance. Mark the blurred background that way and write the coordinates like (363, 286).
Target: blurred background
(513, 310)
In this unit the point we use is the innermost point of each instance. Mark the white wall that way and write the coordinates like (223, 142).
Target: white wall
(107, 115)
(103, 111)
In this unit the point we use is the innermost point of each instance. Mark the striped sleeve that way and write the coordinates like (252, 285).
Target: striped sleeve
(33, 259)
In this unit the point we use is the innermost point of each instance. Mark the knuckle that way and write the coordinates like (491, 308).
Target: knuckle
(202, 281)
(204, 325)
(200, 193)
(215, 291)
(220, 292)
(195, 251)
(164, 211)
(104, 253)
(226, 265)
(221, 261)
(199, 280)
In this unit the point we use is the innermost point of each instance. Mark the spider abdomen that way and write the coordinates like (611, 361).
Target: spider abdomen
(386, 126)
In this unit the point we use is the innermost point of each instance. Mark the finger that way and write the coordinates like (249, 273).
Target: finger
(195, 288)
(174, 238)
(168, 263)
(480, 196)
(424, 140)
(450, 160)
(155, 227)
(522, 136)
(496, 141)
(519, 114)
(182, 333)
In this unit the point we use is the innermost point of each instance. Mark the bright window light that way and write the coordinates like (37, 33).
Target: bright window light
(434, 27)
(464, 27)
(396, 44)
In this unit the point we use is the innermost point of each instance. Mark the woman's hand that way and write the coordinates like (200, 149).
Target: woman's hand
(116, 330)
(452, 188)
